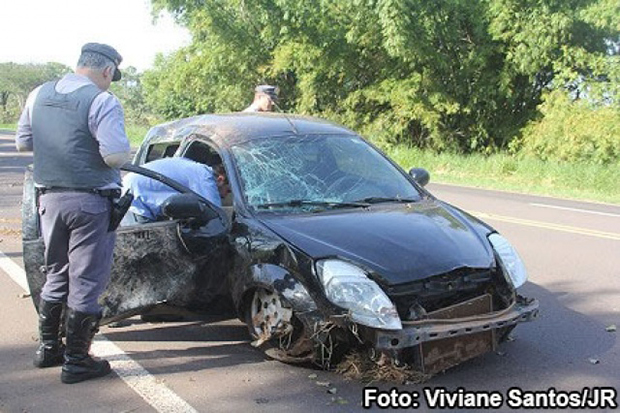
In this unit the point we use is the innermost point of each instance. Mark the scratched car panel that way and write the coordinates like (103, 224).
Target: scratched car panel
(328, 246)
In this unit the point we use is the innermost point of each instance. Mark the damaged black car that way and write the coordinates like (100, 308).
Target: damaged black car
(324, 245)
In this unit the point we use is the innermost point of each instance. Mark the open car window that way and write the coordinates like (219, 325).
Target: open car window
(204, 153)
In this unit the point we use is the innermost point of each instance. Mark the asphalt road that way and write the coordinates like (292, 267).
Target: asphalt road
(571, 250)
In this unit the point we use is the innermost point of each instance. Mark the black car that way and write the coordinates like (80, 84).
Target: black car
(323, 245)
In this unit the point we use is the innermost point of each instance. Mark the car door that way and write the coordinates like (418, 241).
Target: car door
(175, 262)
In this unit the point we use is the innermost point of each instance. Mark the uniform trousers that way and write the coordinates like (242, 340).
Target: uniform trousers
(78, 248)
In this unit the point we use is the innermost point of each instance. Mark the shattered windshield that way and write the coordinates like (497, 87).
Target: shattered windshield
(317, 172)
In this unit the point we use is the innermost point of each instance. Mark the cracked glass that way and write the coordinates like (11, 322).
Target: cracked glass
(317, 171)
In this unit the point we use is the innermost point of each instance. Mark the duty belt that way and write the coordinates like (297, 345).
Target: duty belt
(106, 193)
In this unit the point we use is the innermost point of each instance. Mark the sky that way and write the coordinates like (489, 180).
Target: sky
(41, 31)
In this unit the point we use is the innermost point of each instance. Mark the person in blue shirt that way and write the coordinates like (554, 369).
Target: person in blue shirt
(149, 194)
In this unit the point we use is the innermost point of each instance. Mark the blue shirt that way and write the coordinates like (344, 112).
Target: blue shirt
(150, 194)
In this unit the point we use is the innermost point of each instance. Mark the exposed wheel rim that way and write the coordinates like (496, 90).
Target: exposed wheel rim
(269, 316)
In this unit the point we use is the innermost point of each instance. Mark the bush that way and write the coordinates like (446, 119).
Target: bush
(573, 131)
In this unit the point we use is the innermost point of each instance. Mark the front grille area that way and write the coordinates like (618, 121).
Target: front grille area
(416, 299)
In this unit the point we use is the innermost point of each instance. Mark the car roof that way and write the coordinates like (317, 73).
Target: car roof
(229, 129)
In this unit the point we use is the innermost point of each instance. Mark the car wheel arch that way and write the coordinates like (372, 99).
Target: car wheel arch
(276, 279)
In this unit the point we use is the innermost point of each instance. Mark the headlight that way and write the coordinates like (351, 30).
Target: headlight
(510, 260)
(348, 286)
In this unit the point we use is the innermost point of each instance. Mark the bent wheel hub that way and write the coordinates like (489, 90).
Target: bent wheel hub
(270, 317)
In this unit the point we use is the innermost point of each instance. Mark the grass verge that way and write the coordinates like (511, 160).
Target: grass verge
(599, 183)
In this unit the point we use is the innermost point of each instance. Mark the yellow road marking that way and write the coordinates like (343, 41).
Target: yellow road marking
(546, 225)
(11, 220)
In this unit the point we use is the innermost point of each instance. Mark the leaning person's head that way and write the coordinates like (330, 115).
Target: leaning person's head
(99, 62)
(221, 180)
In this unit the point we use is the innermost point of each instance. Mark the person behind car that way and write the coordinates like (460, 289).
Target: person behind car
(149, 194)
(265, 96)
(76, 130)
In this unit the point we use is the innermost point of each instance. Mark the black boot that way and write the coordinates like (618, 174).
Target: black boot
(51, 350)
(79, 366)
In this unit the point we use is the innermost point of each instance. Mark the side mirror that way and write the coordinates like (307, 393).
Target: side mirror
(420, 175)
(188, 206)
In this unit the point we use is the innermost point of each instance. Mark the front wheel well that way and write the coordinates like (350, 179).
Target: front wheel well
(244, 303)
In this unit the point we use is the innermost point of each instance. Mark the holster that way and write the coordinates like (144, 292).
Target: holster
(119, 209)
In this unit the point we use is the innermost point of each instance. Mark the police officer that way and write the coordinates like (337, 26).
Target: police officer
(265, 97)
(76, 130)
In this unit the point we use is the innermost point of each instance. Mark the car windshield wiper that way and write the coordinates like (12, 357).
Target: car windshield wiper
(380, 199)
(295, 203)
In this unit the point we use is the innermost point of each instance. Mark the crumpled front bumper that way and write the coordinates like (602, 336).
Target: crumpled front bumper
(414, 333)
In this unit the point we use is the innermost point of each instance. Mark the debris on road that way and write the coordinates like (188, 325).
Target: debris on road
(594, 361)
(611, 329)
(339, 400)
(357, 366)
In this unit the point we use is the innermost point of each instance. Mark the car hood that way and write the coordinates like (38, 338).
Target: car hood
(398, 243)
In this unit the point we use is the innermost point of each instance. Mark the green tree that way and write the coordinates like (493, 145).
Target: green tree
(18, 80)
(130, 92)
(573, 130)
(446, 74)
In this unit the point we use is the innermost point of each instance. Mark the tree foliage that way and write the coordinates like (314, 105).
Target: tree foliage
(445, 74)
(130, 92)
(573, 131)
(18, 80)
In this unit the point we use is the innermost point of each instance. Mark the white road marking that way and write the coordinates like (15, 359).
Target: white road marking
(160, 397)
(14, 271)
(585, 211)
(15, 155)
(138, 379)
